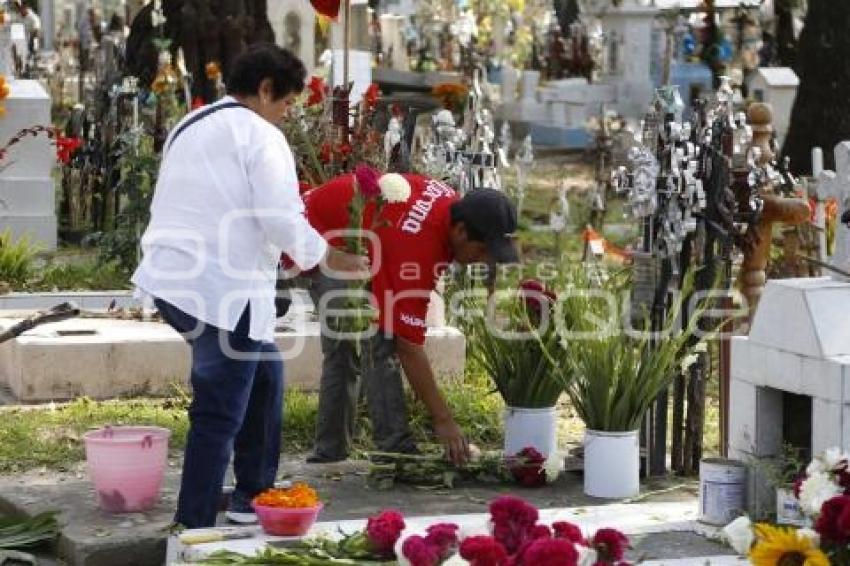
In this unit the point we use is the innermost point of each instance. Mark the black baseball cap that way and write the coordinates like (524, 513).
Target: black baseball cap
(492, 214)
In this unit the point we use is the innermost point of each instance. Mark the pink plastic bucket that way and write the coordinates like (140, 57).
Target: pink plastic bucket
(126, 465)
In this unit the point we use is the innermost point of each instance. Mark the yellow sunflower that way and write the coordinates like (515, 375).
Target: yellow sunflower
(777, 546)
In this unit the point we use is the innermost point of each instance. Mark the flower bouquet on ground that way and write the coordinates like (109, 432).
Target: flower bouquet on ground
(513, 536)
(528, 468)
(824, 495)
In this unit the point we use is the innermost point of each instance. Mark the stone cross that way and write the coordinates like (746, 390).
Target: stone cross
(836, 184)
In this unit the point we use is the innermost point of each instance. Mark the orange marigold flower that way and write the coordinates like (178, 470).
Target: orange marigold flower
(299, 496)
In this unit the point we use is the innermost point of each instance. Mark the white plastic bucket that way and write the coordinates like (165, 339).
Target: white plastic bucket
(788, 510)
(722, 490)
(530, 427)
(611, 464)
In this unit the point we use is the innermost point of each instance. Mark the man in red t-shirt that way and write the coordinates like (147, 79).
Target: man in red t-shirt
(413, 243)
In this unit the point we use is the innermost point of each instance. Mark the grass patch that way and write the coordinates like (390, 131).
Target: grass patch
(51, 436)
(84, 275)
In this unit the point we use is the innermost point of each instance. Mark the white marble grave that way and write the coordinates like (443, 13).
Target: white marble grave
(776, 86)
(106, 358)
(27, 191)
(798, 344)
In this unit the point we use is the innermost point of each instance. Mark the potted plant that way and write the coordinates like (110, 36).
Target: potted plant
(784, 473)
(511, 350)
(613, 379)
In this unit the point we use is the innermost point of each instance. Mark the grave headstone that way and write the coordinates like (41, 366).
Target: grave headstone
(836, 184)
(294, 23)
(776, 86)
(27, 192)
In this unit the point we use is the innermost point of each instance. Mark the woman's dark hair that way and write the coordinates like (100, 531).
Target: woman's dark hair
(473, 233)
(262, 61)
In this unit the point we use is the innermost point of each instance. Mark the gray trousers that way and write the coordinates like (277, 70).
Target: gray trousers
(343, 371)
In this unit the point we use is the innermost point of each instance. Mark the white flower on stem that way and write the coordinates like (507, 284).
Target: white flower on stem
(810, 534)
(394, 187)
(586, 556)
(739, 534)
(553, 466)
(815, 491)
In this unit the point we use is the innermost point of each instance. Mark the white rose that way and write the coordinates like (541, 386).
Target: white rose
(815, 467)
(394, 187)
(586, 556)
(811, 535)
(815, 491)
(739, 535)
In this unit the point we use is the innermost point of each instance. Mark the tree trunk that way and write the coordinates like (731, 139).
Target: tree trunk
(821, 114)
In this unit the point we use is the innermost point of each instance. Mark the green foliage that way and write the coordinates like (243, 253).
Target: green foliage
(613, 378)
(79, 276)
(16, 258)
(139, 167)
(510, 351)
(26, 533)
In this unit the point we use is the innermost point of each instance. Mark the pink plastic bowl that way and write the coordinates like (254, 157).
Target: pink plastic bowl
(126, 465)
(286, 522)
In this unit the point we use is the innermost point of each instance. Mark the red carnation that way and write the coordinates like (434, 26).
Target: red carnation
(417, 550)
(611, 544)
(833, 524)
(383, 532)
(317, 89)
(329, 8)
(570, 532)
(483, 551)
(527, 467)
(367, 181)
(66, 147)
(370, 97)
(551, 552)
(443, 537)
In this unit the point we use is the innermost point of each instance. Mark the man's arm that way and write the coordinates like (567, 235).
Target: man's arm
(419, 374)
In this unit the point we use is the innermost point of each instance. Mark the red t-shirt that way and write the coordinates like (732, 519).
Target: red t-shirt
(413, 238)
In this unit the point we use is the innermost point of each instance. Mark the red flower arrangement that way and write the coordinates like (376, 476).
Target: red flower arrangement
(318, 91)
(383, 532)
(527, 467)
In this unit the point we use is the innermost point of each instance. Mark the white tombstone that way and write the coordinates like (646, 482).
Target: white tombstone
(836, 184)
(510, 80)
(27, 191)
(797, 345)
(394, 45)
(629, 60)
(776, 86)
(294, 23)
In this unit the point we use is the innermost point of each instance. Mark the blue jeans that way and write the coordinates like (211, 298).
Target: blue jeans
(236, 409)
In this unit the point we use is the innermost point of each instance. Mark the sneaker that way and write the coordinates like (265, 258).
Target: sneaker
(240, 510)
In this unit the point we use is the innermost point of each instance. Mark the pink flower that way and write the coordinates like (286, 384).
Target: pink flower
(483, 551)
(569, 532)
(417, 550)
(367, 181)
(443, 538)
(513, 521)
(551, 552)
(383, 532)
(611, 545)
